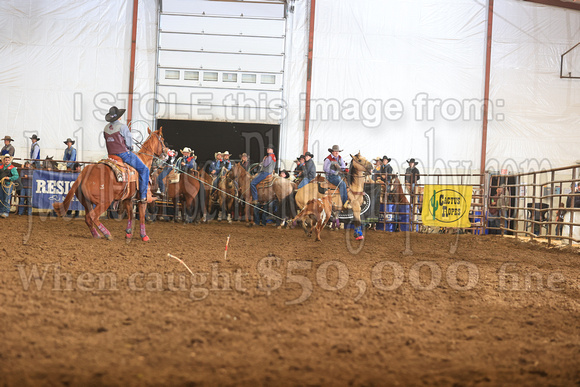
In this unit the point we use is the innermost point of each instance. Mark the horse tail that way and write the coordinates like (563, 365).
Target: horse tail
(62, 208)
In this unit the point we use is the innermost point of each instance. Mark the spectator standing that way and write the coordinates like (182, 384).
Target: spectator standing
(70, 154)
(7, 149)
(35, 151)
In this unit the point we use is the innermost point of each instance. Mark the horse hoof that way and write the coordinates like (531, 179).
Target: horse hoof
(145, 238)
(359, 238)
(109, 237)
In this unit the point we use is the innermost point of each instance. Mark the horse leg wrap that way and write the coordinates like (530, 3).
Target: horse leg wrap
(358, 234)
(104, 230)
(95, 233)
(129, 229)
(144, 233)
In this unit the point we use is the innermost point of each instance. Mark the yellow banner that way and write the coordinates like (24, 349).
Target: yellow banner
(446, 205)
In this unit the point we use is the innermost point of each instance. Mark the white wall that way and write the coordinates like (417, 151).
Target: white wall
(62, 64)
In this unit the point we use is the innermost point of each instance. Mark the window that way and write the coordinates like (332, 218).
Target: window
(268, 79)
(248, 78)
(171, 74)
(229, 77)
(210, 77)
(191, 75)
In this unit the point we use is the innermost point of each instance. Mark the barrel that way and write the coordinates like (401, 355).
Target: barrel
(403, 210)
(390, 218)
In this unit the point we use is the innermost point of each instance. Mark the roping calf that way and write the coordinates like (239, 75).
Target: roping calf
(319, 212)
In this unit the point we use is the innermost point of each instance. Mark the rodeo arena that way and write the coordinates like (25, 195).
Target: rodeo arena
(290, 192)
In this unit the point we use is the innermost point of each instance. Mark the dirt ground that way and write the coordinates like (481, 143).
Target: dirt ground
(282, 309)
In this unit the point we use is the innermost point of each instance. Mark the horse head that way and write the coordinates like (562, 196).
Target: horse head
(48, 163)
(361, 164)
(156, 142)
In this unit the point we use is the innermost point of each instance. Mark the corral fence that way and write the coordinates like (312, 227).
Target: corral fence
(541, 204)
(535, 205)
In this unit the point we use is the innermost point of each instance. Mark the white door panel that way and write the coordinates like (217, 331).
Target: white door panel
(222, 26)
(272, 9)
(231, 44)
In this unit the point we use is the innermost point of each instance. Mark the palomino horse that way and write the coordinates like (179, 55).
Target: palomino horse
(278, 188)
(98, 186)
(185, 192)
(360, 167)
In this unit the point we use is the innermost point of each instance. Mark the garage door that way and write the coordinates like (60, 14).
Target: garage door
(221, 60)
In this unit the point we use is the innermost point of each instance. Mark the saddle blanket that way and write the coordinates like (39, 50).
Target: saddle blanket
(123, 173)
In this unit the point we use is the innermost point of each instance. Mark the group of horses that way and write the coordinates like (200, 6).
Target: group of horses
(97, 187)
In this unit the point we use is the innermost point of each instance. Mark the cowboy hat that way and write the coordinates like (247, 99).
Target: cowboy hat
(412, 161)
(225, 153)
(386, 158)
(308, 154)
(243, 154)
(335, 148)
(35, 137)
(377, 159)
(6, 155)
(270, 146)
(216, 154)
(114, 114)
(8, 138)
(186, 150)
(69, 140)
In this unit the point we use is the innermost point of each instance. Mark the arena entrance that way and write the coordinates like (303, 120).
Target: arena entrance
(206, 138)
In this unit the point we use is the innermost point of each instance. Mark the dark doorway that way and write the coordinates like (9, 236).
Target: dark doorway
(207, 138)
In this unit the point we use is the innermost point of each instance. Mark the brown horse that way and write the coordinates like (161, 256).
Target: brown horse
(280, 189)
(184, 192)
(395, 193)
(227, 196)
(98, 186)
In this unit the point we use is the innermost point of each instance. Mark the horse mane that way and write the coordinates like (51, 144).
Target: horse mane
(350, 175)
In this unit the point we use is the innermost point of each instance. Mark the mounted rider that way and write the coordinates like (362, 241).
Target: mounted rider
(187, 162)
(226, 163)
(309, 172)
(119, 142)
(334, 166)
(244, 161)
(167, 168)
(215, 169)
(266, 169)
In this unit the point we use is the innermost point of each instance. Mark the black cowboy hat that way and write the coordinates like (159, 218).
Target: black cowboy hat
(270, 146)
(412, 161)
(386, 158)
(114, 114)
(35, 137)
(69, 140)
(335, 148)
(7, 138)
(309, 154)
(300, 157)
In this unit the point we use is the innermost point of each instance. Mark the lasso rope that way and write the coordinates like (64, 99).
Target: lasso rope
(164, 163)
(6, 187)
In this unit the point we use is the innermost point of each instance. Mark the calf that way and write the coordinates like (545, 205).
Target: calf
(319, 211)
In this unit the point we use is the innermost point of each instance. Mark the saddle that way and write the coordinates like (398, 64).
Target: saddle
(267, 182)
(124, 173)
(324, 186)
(173, 177)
